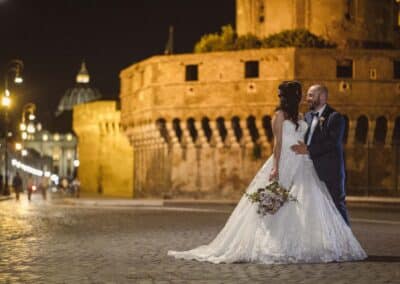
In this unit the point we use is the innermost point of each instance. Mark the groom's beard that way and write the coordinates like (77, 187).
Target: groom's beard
(314, 104)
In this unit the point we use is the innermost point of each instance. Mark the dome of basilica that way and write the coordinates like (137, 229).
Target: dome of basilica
(81, 93)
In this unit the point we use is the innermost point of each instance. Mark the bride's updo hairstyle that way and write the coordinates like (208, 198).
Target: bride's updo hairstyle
(290, 97)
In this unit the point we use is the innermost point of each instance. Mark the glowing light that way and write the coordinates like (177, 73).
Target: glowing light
(76, 163)
(45, 137)
(18, 146)
(22, 127)
(31, 128)
(56, 137)
(69, 137)
(24, 152)
(24, 135)
(26, 168)
(7, 93)
(18, 80)
(6, 101)
(54, 178)
(32, 116)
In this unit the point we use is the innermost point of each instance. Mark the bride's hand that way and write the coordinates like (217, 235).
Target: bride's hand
(274, 174)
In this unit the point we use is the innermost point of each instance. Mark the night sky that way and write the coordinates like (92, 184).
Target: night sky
(53, 36)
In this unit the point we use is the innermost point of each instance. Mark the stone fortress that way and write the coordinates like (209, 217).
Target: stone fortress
(106, 158)
(200, 124)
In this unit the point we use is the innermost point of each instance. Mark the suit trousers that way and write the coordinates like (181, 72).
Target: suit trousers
(337, 191)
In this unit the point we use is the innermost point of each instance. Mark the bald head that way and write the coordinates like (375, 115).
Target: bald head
(317, 96)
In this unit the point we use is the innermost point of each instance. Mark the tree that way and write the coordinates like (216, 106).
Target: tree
(228, 40)
(217, 42)
(295, 38)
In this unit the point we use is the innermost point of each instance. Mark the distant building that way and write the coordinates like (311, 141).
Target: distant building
(61, 148)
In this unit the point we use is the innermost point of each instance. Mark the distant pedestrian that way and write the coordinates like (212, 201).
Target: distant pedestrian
(30, 184)
(44, 185)
(76, 187)
(17, 185)
(64, 185)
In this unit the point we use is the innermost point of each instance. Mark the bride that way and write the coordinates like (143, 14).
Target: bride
(308, 231)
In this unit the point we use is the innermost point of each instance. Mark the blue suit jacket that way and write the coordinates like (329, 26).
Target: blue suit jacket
(326, 147)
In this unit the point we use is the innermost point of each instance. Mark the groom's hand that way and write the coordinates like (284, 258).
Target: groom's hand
(300, 149)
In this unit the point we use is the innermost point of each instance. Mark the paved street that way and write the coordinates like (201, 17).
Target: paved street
(48, 242)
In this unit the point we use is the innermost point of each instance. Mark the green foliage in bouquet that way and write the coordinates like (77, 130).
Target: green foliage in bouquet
(270, 198)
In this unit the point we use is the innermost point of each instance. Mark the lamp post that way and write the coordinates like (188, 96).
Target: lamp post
(15, 67)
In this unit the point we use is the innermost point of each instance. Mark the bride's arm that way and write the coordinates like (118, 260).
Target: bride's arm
(277, 122)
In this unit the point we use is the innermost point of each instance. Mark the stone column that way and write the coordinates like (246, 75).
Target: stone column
(186, 137)
(351, 135)
(230, 136)
(265, 144)
(201, 138)
(190, 163)
(215, 134)
(389, 133)
(174, 141)
(248, 143)
(371, 130)
(174, 159)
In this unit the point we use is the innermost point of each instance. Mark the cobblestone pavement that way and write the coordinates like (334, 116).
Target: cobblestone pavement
(44, 242)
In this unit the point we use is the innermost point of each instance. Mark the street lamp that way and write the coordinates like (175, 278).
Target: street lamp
(15, 67)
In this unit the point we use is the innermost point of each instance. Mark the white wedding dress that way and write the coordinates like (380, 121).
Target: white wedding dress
(308, 231)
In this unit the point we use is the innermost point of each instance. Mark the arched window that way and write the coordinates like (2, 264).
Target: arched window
(192, 129)
(221, 128)
(176, 124)
(162, 127)
(380, 130)
(205, 125)
(266, 122)
(236, 128)
(362, 129)
(251, 125)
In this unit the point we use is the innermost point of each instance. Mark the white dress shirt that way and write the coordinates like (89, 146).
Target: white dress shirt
(314, 123)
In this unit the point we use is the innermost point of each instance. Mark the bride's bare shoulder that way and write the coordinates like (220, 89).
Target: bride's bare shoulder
(278, 115)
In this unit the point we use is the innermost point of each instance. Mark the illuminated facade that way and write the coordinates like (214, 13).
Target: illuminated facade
(106, 158)
(61, 148)
(200, 123)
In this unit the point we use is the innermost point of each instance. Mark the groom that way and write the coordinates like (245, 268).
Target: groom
(324, 144)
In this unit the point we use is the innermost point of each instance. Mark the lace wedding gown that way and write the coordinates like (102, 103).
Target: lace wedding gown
(308, 231)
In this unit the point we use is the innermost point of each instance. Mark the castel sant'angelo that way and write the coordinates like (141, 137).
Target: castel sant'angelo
(199, 125)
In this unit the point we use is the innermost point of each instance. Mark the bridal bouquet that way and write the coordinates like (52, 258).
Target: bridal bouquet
(270, 198)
